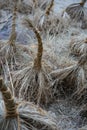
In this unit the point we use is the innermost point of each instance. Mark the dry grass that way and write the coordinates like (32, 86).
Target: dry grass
(9, 47)
(76, 11)
(23, 8)
(56, 51)
(42, 4)
(71, 79)
(53, 24)
(78, 47)
(22, 115)
(33, 83)
(49, 74)
(67, 114)
(46, 21)
(10, 50)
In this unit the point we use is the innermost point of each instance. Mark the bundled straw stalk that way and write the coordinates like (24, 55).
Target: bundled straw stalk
(33, 83)
(22, 116)
(8, 49)
(11, 51)
(10, 46)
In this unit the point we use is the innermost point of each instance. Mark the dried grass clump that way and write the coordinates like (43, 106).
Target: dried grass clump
(46, 20)
(53, 24)
(32, 6)
(76, 11)
(57, 58)
(52, 56)
(69, 80)
(15, 59)
(84, 24)
(78, 47)
(67, 114)
(80, 95)
(23, 7)
(9, 47)
(41, 4)
(11, 51)
(22, 115)
(33, 82)
(49, 24)
(7, 4)
(3, 4)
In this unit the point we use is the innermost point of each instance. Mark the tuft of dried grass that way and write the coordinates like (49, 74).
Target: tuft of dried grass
(11, 51)
(23, 8)
(67, 114)
(43, 4)
(53, 24)
(57, 58)
(13, 36)
(76, 11)
(45, 19)
(9, 47)
(15, 115)
(78, 47)
(33, 82)
(47, 24)
(72, 79)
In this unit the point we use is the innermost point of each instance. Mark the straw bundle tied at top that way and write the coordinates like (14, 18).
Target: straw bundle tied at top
(20, 115)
